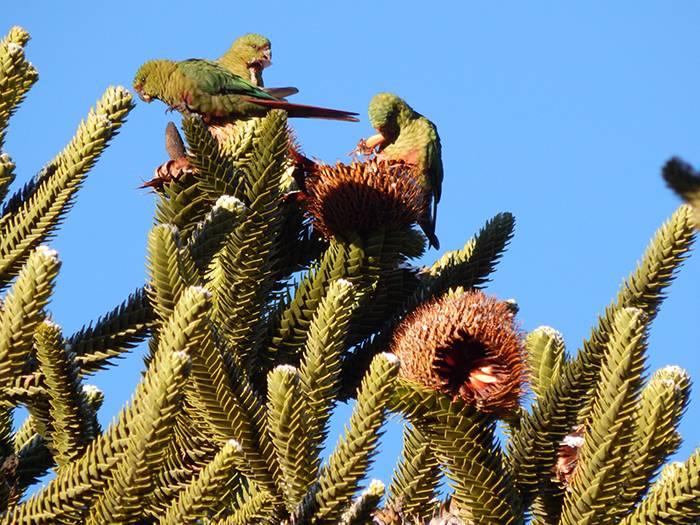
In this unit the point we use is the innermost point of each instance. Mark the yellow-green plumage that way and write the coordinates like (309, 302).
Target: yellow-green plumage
(209, 89)
(247, 57)
(408, 136)
(199, 86)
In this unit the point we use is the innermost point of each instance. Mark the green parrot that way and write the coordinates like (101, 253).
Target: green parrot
(247, 57)
(212, 91)
(407, 136)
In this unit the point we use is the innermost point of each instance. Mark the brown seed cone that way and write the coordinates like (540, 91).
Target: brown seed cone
(174, 144)
(567, 455)
(167, 172)
(178, 166)
(362, 197)
(467, 345)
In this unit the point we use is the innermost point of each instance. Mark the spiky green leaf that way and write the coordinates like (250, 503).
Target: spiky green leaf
(351, 457)
(609, 431)
(70, 416)
(41, 210)
(416, 477)
(546, 354)
(24, 310)
(532, 448)
(209, 490)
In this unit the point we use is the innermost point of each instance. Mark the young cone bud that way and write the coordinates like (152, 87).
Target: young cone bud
(362, 197)
(464, 344)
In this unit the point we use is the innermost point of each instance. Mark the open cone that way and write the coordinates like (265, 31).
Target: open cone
(362, 197)
(467, 345)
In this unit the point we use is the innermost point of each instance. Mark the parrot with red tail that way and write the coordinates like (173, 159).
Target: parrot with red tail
(404, 135)
(208, 89)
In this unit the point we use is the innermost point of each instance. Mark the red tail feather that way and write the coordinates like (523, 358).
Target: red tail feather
(302, 111)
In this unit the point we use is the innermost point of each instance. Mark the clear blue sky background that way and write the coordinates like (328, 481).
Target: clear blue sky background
(561, 115)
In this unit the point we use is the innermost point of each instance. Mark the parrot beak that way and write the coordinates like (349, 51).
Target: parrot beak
(262, 63)
(375, 140)
(267, 58)
(141, 94)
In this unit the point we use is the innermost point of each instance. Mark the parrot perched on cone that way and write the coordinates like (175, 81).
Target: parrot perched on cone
(247, 57)
(405, 135)
(212, 91)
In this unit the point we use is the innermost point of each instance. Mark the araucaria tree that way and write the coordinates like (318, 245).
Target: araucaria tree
(278, 287)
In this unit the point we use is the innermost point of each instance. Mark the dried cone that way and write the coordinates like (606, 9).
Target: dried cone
(362, 197)
(567, 455)
(467, 345)
(177, 167)
(446, 514)
(167, 172)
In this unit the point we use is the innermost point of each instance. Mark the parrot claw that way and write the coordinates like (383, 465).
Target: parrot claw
(375, 141)
(180, 108)
(362, 149)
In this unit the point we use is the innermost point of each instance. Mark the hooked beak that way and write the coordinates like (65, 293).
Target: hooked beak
(375, 140)
(267, 58)
(262, 63)
(142, 95)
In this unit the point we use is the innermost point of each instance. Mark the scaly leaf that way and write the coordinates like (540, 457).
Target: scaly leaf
(349, 462)
(38, 215)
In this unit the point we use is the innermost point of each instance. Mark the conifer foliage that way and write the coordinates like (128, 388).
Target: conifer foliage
(262, 311)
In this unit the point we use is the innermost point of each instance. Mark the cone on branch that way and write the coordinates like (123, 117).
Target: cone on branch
(362, 197)
(466, 345)
(177, 167)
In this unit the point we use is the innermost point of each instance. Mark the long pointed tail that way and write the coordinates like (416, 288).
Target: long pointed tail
(302, 111)
(432, 238)
(427, 224)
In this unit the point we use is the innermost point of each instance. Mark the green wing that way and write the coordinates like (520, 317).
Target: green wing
(214, 79)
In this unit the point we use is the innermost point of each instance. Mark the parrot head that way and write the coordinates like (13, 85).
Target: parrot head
(151, 77)
(387, 114)
(255, 50)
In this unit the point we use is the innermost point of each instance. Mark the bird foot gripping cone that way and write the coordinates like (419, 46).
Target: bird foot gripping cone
(405, 136)
(368, 147)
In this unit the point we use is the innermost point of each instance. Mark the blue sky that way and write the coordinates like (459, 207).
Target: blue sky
(562, 114)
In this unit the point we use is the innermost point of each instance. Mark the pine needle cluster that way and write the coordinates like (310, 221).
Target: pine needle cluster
(260, 316)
